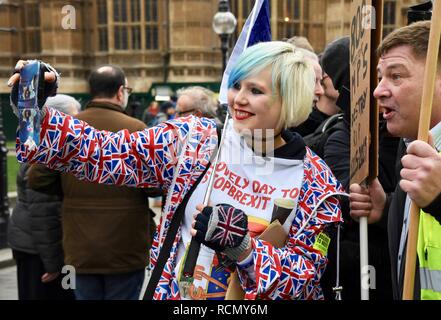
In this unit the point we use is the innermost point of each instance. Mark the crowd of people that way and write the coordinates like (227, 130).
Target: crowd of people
(284, 153)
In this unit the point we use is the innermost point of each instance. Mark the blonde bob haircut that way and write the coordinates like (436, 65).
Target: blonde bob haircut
(293, 77)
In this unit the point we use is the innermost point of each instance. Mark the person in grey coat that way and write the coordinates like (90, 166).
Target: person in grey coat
(35, 232)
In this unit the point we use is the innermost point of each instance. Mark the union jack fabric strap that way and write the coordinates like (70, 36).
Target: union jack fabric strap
(44, 89)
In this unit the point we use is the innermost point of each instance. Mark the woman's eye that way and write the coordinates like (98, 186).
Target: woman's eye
(236, 86)
(396, 77)
(256, 91)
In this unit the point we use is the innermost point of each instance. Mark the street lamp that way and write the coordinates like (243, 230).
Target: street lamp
(224, 23)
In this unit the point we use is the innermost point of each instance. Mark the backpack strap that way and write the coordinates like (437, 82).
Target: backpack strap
(331, 121)
(324, 131)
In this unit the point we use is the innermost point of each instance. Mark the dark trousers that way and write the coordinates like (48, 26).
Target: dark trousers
(125, 286)
(350, 272)
(30, 269)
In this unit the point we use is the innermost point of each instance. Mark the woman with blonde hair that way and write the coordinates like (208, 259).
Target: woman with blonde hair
(263, 172)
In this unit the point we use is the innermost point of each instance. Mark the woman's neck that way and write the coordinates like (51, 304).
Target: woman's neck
(264, 145)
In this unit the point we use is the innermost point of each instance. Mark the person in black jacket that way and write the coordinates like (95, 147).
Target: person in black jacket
(399, 92)
(35, 232)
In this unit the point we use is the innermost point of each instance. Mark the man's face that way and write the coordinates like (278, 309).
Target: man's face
(185, 106)
(399, 91)
(327, 102)
(318, 88)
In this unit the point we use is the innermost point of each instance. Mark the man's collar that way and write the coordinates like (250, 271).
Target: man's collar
(436, 135)
(104, 105)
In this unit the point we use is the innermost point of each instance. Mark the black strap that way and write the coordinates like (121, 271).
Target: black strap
(169, 239)
(168, 242)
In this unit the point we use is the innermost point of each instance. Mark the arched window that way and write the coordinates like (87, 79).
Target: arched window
(151, 24)
(32, 30)
(289, 18)
(132, 24)
(103, 42)
(389, 16)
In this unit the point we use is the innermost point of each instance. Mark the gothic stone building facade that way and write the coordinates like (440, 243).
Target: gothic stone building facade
(154, 40)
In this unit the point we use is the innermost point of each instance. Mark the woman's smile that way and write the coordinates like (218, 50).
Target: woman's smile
(242, 114)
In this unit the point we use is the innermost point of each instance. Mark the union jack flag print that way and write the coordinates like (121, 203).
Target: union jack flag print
(232, 225)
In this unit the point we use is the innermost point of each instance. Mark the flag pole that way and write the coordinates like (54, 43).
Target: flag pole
(187, 277)
(364, 260)
(423, 134)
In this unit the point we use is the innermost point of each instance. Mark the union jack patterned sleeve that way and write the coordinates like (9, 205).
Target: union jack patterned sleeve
(142, 159)
(294, 271)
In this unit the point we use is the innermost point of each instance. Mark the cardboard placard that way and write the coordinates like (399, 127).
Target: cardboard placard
(365, 36)
(274, 234)
(360, 49)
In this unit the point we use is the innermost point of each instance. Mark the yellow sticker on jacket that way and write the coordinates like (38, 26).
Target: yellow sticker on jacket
(322, 243)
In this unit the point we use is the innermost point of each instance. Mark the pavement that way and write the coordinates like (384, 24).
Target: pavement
(6, 254)
(8, 276)
(8, 283)
(6, 258)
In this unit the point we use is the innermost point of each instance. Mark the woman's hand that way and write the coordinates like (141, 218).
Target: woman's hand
(222, 228)
(47, 83)
(49, 76)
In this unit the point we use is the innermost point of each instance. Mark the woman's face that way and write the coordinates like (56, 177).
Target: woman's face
(253, 105)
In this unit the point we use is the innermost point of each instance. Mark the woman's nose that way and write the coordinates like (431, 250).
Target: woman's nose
(240, 97)
(319, 91)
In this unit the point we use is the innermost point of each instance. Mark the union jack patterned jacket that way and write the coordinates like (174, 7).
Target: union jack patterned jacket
(173, 155)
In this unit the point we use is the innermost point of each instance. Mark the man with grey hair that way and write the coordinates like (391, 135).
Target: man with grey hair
(196, 100)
